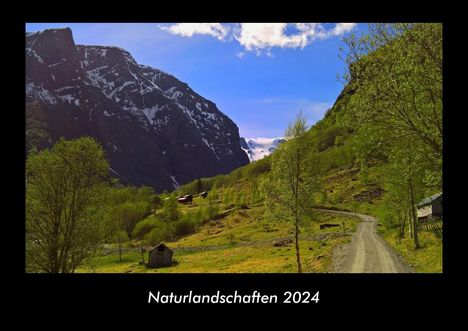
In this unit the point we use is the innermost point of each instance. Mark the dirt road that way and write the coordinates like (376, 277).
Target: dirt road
(367, 252)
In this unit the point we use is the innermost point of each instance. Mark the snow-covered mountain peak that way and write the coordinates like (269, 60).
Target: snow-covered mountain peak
(258, 148)
(152, 125)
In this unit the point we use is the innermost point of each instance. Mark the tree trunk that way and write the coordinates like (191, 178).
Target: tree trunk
(120, 251)
(54, 249)
(413, 215)
(296, 211)
(410, 226)
(298, 254)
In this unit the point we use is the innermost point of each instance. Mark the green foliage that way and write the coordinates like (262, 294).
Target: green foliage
(161, 231)
(156, 201)
(227, 197)
(255, 169)
(295, 176)
(127, 214)
(121, 236)
(294, 179)
(170, 211)
(255, 195)
(145, 226)
(213, 194)
(119, 195)
(327, 137)
(184, 226)
(212, 209)
(397, 71)
(199, 186)
(240, 199)
(37, 135)
(65, 189)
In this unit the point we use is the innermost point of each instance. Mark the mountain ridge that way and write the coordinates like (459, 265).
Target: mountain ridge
(154, 128)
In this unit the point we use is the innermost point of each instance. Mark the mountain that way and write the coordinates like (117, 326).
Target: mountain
(258, 148)
(155, 129)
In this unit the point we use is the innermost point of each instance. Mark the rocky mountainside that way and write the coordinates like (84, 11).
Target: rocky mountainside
(258, 148)
(154, 128)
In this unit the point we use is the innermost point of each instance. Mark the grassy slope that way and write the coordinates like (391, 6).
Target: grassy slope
(240, 242)
(427, 259)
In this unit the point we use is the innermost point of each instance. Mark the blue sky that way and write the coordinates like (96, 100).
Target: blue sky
(260, 75)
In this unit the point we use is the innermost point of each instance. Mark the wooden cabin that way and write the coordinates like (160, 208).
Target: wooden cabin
(430, 207)
(185, 199)
(160, 256)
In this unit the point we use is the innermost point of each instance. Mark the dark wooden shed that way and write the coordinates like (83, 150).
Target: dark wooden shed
(185, 199)
(160, 256)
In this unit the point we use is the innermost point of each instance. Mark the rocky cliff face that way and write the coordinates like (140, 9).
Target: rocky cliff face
(154, 128)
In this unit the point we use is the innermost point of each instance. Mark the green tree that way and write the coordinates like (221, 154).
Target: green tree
(37, 135)
(406, 179)
(160, 231)
(199, 186)
(121, 237)
(254, 193)
(294, 180)
(126, 215)
(227, 198)
(212, 209)
(170, 210)
(64, 196)
(397, 72)
(213, 194)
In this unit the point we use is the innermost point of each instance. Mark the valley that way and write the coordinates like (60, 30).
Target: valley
(129, 170)
(241, 242)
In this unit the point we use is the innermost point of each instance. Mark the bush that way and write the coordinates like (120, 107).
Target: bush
(128, 214)
(327, 137)
(254, 169)
(160, 232)
(184, 227)
(145, 226)
(212, 210)
(170, 210)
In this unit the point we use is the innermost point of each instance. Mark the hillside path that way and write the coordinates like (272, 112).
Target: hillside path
(367, 252)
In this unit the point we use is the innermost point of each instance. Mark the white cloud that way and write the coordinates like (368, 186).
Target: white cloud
(261, 38)
(216, 30)
(264, 36)
(342, 28)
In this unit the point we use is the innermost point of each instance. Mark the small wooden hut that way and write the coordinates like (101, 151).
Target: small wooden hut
(160, 256)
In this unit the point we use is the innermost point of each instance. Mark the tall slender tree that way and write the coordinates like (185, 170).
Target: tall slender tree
(294, 180)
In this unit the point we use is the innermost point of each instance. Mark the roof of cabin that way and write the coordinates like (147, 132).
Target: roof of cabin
(429, 200)
(161, 244)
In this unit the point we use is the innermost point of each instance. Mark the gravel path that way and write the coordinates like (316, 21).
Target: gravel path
(367, 252)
